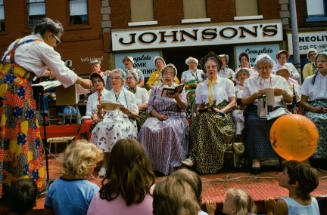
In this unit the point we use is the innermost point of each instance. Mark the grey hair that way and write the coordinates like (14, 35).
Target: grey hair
(171, 66)
(48, 25)
(122, 74)
(135, 76)
(264, 58)
(187, 61)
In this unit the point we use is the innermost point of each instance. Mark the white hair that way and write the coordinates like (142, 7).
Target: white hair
(264, 58)
(187, 61)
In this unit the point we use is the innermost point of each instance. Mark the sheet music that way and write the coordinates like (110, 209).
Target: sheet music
(48, 84)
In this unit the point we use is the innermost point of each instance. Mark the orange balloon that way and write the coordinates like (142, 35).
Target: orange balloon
(294, 137)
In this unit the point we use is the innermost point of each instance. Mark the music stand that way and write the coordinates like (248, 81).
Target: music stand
(38, 92)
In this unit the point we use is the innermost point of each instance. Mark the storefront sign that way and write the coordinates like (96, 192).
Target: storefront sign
(316, 40)
(142, 61)
(255, 50)
(196, 36)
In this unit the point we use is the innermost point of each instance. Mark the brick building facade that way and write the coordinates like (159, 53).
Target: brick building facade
(82, 40)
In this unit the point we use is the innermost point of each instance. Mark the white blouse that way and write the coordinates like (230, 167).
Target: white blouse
(125, 98)
(226, 73)
(92, 102)
(141, 95)
(316, 91)
(222, 91)
(239, 91)
(36, 57)
(188, 76)
(256, 83)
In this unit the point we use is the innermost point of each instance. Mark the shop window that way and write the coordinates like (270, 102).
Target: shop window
(194, 9)
(316, 10)
(246, 8)
(78, 12)
(36, 11)
(2, 16)
(141, 10)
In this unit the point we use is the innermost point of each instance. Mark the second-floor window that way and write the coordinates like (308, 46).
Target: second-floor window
(317, 10)
(78, 12)
(36, 11)
(141, 10)
(194, 9)
(2, 16)
(246, 7)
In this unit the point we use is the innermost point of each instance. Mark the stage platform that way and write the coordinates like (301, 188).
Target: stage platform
(260, 187)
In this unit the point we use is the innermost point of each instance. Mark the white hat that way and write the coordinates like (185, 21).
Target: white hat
(130, 58)
(225, 56)
(283, 68)
(158, 58)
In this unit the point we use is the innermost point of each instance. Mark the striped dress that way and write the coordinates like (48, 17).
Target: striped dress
(166, 142)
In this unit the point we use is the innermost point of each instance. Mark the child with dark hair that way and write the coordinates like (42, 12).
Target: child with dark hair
(300, 179)
(72, 192)
(126, 185)
(22, 192)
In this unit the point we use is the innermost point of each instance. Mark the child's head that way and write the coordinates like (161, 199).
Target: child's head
(128, 173)
(21, 196)
(299, 176)
(193, 179)
(238, 202)
(80, 159)
(174, 196)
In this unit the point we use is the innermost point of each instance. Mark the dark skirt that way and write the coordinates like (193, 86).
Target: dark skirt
(141, 119)
(256, 135)
(320, 120)
(211, 134)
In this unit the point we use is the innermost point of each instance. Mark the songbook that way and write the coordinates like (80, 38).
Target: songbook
(172, 90)
(47, 84)
(109, 106)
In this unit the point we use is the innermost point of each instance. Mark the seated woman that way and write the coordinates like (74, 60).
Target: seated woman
(164, 135)
(191, 78)
(155, 77)
(314, 102)
(142, 97)
(213, 128)
(240, 75)
(256, 129)
(118, 123)
(92, 106)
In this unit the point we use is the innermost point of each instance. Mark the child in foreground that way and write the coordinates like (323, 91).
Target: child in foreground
(300, 179)
(72, 192)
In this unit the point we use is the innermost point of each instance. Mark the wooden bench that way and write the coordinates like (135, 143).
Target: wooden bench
(59, 140)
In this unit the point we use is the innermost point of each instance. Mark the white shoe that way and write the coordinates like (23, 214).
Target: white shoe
(188, 162)
(102, 172)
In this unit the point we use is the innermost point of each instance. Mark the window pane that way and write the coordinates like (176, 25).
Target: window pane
(315, 8)
(141, 10)
(32, 1)
(194, 9)
(36, 9)
(1, 2)
(78, 7)
(2, 12)
(246, 7)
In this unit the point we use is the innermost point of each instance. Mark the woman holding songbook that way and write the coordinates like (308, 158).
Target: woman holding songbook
(213, 128)
(256, 126)
(33, 55)
(120, 109)
(164, 135)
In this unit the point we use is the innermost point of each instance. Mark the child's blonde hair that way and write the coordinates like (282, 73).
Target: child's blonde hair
(79, 156)
(242, 201)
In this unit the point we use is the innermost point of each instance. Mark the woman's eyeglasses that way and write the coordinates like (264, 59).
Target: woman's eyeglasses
(58, 41)
(211, 67)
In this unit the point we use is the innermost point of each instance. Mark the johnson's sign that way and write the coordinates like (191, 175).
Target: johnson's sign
(196, 36)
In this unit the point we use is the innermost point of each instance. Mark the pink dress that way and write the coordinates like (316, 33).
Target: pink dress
(118, 206)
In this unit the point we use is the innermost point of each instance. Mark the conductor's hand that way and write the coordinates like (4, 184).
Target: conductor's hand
(85, 83)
